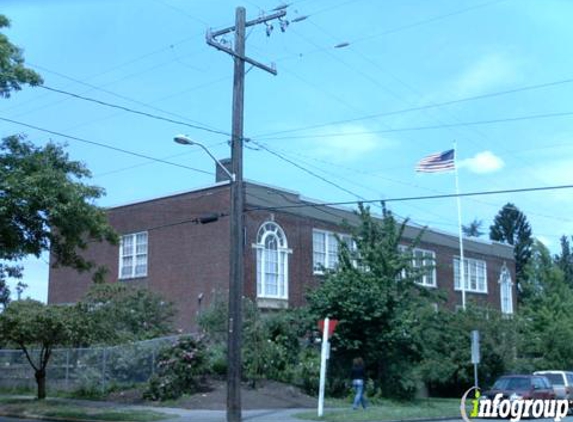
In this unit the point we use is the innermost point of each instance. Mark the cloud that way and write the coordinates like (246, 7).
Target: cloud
(486, 73)
(349, 143)
(483, 162)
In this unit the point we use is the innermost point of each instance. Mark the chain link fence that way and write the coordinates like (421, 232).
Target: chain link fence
(94, 368)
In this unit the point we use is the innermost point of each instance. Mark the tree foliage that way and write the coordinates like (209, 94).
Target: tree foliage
(473, 229)
(181, 368)
(113, 313)
(547, 334)
(374, 296)
(510, 226)
(45, 205)
(13, 73)
(36, 329)
(564, 260)
(271, 342)
(446, 365)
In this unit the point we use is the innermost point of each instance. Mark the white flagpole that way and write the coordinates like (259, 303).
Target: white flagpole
(460, 232)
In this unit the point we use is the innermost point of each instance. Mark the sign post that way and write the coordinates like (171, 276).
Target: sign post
(327, 327)
(475, 355)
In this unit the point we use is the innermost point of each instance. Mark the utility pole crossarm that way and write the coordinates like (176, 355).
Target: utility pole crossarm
(257, 21)
(211, 36)
(271, 69)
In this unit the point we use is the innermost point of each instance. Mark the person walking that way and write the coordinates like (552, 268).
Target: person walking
(358, 378)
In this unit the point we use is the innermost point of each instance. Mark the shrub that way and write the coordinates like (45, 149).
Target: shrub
(180, 369)
(308, 371)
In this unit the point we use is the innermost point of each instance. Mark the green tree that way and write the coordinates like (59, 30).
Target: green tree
(271, 342)
(564, 260)
(510, 226)
(548, 323)
(374, 296)
(45, 205)
(446, 367)
(473, 229)
(113, 313)
(36, 329)
(13, 73)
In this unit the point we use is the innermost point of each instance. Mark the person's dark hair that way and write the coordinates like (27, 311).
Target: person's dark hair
(357, 362)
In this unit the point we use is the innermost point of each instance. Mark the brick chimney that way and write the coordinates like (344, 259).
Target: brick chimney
(220, 175)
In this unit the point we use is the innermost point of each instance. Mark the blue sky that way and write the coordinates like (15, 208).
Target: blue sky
(151, 55)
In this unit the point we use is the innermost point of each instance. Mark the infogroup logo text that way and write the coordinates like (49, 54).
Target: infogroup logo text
(515, 408)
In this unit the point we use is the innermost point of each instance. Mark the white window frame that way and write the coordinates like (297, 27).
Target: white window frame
(133, 255)
(331, 250)
(472, 264)
(423, 280)
(270, 228)
(505, 291)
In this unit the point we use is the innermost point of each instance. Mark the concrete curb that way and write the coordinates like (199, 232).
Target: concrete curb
(51, 418)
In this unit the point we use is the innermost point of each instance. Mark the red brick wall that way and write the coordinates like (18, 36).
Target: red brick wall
(184, 260)
(187, 260)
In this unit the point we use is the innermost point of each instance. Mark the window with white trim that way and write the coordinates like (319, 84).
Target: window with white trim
(272, 261)
(325, 249)
(422, 258)
(475, 275)
(133, 255)
(506, 291)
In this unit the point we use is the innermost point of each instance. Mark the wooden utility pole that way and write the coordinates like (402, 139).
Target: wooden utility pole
(236, 273)
(236, 276)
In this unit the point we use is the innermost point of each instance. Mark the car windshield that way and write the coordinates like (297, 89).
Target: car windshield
(518, 384)
(555, 379)
(501, 384)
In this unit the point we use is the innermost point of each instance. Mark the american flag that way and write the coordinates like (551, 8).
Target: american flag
(435, 163)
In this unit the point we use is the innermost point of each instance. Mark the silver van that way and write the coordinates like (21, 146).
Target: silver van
(562, 382)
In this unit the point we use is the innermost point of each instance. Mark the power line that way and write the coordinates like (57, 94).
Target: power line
(418, 198)
(130, 110)
(115, 94)
(429, 127)
(427, 106)
(102, 145)
(392, 30)
(318, 176)
(148, 162)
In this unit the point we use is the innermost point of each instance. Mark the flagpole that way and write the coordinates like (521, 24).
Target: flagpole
(460, 232)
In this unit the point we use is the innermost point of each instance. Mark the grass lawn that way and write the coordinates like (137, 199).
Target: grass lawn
(51, 408)
(387, 411)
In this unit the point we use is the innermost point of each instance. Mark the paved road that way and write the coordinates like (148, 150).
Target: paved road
(182, 415)
(271, 415)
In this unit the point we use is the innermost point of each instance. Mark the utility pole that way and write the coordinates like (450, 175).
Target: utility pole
(236, 275)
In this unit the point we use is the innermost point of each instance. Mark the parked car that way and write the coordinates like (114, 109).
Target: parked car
(562, 382)
(515, 387)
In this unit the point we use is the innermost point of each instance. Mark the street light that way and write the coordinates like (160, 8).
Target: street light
(185, 140)
(236, 250)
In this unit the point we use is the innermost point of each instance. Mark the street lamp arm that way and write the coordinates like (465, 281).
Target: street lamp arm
(227, 172)
(184, 140)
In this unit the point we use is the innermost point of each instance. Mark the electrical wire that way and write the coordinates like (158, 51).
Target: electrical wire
(428, 106)
(115, 94)
(133, 111)
(106, 146)
(429, 127)
(318, 176)
(418, 198)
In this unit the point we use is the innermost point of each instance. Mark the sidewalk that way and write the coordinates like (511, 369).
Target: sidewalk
(186, 415)
(262, 415)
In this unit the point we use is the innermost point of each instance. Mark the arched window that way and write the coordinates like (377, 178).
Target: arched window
(272, 262)
(506, 291)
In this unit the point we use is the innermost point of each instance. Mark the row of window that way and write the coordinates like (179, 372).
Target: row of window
(272, 254)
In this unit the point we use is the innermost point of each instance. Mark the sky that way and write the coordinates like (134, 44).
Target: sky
(415, 76)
